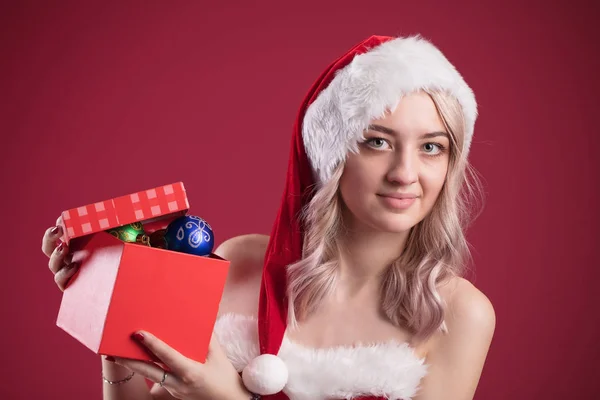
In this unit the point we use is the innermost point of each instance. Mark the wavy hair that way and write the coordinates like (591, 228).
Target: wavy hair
(436, 248)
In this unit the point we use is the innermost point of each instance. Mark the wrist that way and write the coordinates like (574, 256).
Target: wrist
(114, 372)
(243, 393)
(120, 381)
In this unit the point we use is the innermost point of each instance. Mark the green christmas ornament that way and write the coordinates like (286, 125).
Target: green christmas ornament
(131, 233)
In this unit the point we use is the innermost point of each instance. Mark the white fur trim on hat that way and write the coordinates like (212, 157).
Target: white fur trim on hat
(370, 85)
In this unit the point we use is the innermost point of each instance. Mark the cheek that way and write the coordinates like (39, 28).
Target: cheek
(357, 182)
(432, 182)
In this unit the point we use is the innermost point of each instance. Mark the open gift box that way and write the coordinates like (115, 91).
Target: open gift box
(123, 287)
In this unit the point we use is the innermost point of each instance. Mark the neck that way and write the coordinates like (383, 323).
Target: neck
(365, 255)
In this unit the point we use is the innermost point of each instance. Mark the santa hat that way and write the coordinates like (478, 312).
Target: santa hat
(359, 86)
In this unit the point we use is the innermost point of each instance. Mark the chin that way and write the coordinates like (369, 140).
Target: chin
(375, 218)
(394, 223)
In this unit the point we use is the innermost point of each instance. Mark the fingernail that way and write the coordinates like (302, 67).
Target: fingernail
(60, 247)
(55, 230)
(138, 336)
(110, 358)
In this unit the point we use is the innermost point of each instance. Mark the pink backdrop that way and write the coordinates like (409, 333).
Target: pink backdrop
(102, 100)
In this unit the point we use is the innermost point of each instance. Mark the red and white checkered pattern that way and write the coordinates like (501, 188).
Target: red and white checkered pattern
(124, 210)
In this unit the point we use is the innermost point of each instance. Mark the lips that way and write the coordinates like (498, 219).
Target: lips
(398, 201)
(399, 195)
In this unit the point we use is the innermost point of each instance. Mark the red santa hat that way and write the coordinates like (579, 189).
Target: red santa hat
(359, 86)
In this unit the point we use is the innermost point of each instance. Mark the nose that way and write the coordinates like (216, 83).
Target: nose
(404, 168)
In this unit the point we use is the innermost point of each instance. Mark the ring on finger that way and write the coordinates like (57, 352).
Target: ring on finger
(164, 378)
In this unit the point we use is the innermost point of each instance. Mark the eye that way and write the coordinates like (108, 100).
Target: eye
(433, 149)
(378, 143)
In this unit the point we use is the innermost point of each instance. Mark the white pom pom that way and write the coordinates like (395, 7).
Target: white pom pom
(266, 374)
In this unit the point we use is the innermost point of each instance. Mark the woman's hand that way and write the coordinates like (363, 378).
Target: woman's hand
(186, 378)
(60, 260)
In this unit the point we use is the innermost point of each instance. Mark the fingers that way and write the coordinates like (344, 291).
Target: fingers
(146, 369)
(50, 239)
(63, 276)
(59, 258)
(176, 362)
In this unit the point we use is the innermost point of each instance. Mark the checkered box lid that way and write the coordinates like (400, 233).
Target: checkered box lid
(136, 207)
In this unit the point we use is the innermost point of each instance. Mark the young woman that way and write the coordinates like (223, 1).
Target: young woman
(358, 292)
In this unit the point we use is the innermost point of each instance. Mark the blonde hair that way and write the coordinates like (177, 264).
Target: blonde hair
(436, 248)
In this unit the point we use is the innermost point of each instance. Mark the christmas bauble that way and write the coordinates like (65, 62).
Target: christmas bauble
(143, 239)
(190, 234)
(130, 233)
(157, 239)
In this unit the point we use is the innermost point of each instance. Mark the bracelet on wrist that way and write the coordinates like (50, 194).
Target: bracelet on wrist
(126, 379)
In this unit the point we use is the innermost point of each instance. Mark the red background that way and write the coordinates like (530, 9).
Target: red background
(100, 100)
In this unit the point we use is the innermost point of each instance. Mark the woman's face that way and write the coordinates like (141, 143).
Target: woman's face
(395, 179)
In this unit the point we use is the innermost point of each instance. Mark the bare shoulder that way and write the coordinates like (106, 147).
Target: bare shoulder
(468, 306)
(467, 309)
(246, 253)
(246, 256)
(457, 357)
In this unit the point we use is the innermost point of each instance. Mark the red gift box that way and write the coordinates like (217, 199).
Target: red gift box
(124, 287)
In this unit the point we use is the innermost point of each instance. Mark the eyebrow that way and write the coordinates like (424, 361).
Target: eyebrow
(389, 131)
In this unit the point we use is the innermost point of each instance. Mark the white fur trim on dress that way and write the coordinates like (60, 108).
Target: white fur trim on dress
(370, 85)
(390, 370)
(238, 336)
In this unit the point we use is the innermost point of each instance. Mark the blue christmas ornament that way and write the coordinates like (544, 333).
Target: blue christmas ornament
(190, 234)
